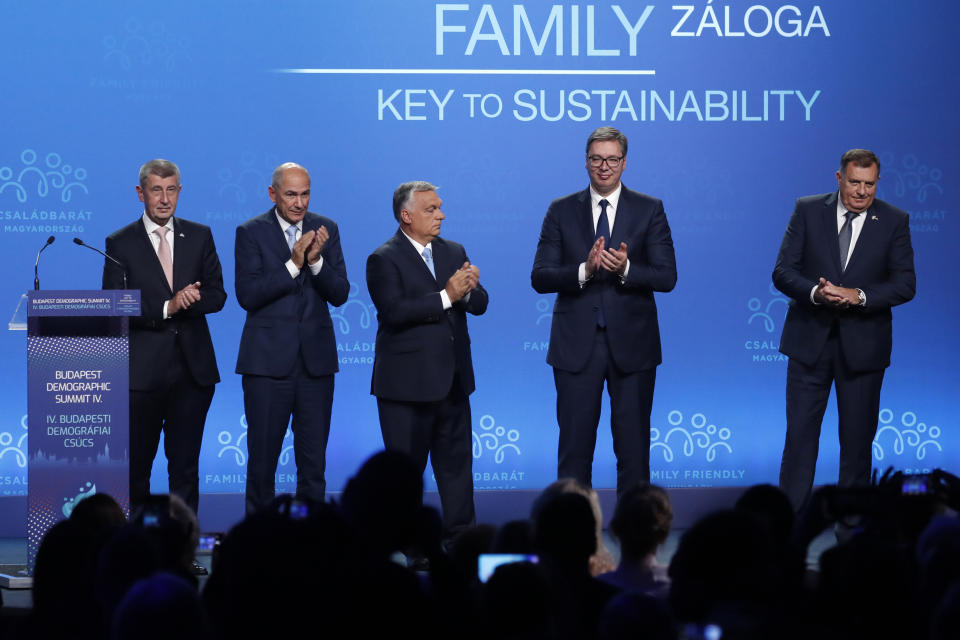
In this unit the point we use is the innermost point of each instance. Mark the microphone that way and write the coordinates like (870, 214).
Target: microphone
(108, 257)
(36, 265)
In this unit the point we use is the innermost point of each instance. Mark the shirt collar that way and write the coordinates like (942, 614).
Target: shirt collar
(842, 210)
(152, 226)
(416, 245)
(613, 197)
(284, 225)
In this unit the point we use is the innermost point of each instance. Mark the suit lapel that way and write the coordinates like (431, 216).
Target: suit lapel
(621, 228)
(830, 236)
(276, 239)
(865, 239)
(585, 219)
(180, 251)
(414, 260)
(441, 262)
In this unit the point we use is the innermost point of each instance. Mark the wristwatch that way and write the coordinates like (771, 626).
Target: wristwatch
(862, 296)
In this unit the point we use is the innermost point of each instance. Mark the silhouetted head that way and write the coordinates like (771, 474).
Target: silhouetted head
(99, 514)
(726, 557)
(633, 615)
(383, 500)
(167, 519)
(642, 521)
(160, 607)
(63, 581)
(772, 506)
(564, 531)
(516, 602)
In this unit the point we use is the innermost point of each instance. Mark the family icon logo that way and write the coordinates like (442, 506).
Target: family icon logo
(19, 450)
(248, 184)
(495, 438)
(355, 307)
(768, 314)
(233, 446)
(153, 46)
(911, 435)
(52, 177)
(908, 179)
(679, 439)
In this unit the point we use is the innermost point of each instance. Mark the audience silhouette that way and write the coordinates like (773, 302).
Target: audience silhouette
(374, 566)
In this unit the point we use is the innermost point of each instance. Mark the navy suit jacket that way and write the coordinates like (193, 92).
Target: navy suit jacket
(629, 308)
(419, 345)
(881, 265)
(153, 339)
(287, 315)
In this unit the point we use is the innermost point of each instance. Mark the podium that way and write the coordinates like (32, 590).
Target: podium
(78, 403)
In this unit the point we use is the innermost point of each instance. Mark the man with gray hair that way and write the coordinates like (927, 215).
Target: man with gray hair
(845, 261)
(423, 286)
(173, 369)
(289, 268)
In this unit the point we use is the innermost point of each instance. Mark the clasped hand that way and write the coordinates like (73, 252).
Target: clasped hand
(309, 246)
(612, 260)
(184, 298)
(463, 281)
(830, 294)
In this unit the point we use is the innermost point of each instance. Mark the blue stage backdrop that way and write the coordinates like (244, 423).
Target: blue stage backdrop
(733, 110)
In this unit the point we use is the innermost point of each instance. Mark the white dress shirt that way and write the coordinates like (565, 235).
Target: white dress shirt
(291, 267)
(444, 296)
(152, 226)
(613, 201)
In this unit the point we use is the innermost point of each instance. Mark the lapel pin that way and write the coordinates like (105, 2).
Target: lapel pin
(183, 236)
(874, 218)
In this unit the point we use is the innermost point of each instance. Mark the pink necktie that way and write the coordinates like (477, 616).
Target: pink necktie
(163, 252)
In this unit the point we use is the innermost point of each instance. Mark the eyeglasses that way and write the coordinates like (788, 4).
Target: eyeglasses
(597, 161)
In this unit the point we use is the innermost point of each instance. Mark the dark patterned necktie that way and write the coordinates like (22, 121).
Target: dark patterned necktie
(846, 233)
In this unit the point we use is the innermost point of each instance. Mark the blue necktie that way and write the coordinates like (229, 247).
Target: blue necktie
(291, 236)
(603, 229)
(603, 224)
(428, 258)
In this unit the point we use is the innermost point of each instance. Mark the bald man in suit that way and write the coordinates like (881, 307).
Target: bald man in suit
(289, 269)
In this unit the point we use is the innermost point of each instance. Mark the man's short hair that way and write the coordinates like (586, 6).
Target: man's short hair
(608, 133)
(278, 173)
(160, 168)
(862, 158)
(401, 197)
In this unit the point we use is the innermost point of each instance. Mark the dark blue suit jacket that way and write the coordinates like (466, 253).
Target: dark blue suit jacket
(881, 265)
(152, 339)
(419, 345)
(287, 315)
(630, 311)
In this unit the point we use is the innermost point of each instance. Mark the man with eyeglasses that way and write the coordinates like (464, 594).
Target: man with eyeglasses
(604, 251)
(289, 267)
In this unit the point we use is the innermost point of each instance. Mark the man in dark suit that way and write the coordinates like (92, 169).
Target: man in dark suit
(289, 266)
(845, 260)
(604, 251)
(173, 369)
(423, 286)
